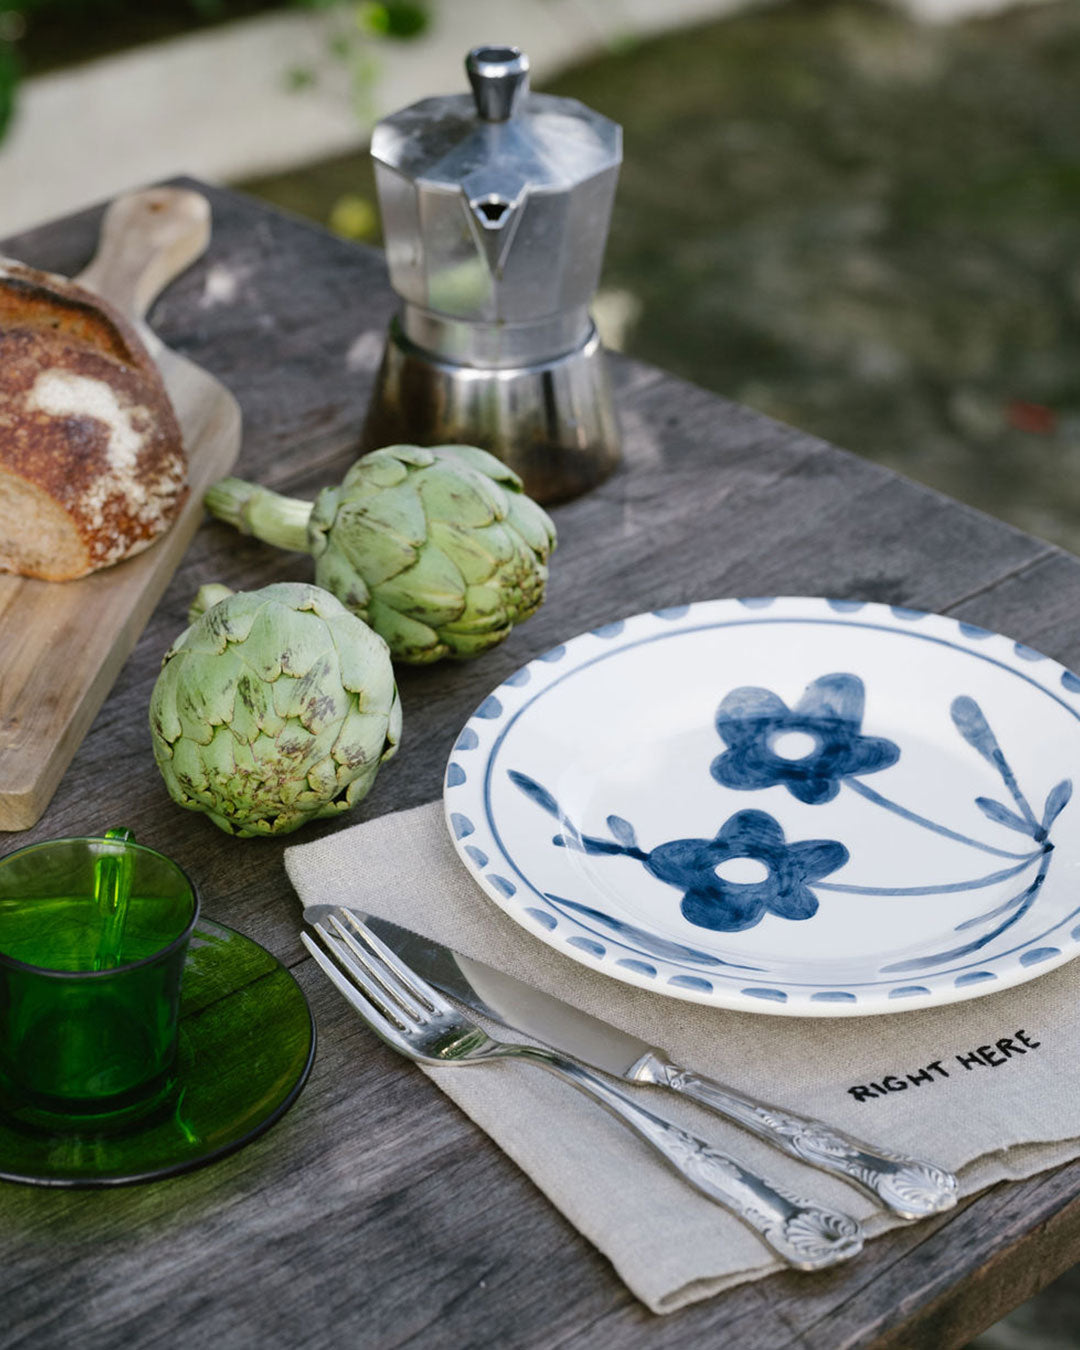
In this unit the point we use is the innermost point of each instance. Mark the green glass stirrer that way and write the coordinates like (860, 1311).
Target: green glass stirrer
(112, 891)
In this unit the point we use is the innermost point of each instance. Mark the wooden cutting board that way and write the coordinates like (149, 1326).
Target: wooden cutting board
(62, 643)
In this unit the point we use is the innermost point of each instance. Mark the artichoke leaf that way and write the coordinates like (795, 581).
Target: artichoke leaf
(450, 492)
(186, 767)
(207, 693)
(164, 718)
(295, 741)
(409, 639)
(484, 462)
(291, 641)
(432, 590)
(253, 708)
(533, 523)
(394, 511)
(390, 465)
(470, 550)
(224, 624)
(504, 545)
(335, 572)
(465, 646)
(360, 740)
(362, 662)
(322, 777)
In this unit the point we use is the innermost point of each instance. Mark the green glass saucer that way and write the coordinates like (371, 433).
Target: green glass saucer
(247, 1040)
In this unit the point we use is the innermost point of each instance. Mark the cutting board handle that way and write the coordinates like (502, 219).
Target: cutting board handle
(147, 239)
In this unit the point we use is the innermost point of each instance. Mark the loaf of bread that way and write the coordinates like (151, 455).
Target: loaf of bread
(92, 465)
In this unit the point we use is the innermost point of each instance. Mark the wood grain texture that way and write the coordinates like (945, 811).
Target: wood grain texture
(375, 1214)
(62, 644)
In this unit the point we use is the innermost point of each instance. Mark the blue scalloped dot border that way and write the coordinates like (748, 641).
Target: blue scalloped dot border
(694, 982)
(638, 967)
(1037, 954)
(974, 977)
(585, 944)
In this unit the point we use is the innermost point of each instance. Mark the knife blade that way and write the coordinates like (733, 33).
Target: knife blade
(908, 1186)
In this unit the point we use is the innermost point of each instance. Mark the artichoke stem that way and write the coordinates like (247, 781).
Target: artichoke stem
(277, 520)
(207, 598)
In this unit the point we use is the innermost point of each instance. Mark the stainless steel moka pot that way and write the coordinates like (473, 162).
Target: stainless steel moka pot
(495, 210)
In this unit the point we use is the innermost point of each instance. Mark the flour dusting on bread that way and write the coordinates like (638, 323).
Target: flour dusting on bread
(92, 467)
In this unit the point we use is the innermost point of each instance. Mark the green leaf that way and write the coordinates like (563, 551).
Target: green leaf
(9, 78)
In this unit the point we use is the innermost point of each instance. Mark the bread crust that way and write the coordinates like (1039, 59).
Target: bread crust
(85, 420)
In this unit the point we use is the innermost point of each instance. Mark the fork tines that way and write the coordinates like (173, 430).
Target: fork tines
(393, 990)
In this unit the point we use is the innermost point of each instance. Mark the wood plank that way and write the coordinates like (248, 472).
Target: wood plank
(375, 1214)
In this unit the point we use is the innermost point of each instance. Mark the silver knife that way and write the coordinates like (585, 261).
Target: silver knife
(907, 1186)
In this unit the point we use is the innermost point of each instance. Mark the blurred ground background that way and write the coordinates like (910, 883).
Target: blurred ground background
(862, 225)
(857, 222)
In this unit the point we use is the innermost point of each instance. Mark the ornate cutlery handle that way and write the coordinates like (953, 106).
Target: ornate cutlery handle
(908, 1187)
(804, 1235)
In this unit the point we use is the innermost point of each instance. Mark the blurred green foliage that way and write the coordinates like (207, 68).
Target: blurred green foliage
(38, 35)
(8, 77)
(387, 18)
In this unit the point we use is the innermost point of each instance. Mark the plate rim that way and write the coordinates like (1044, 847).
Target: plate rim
(885, 1002)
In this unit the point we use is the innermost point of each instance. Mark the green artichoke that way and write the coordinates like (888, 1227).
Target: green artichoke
(274, 708)
(438, 550)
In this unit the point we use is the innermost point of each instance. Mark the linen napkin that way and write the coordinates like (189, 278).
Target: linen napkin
(987, 1088)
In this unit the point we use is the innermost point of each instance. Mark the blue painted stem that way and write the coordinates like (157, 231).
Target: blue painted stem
(949, 888)
(1025, 900)
(1018, 797)
(871, 796)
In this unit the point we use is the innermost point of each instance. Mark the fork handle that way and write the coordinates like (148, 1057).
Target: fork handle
(805, 1235)
(908, 1186)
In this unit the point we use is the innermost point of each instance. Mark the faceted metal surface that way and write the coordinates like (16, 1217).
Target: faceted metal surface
(496, 220)
(495, 210)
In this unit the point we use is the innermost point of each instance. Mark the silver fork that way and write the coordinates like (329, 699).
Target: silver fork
(419, 1023)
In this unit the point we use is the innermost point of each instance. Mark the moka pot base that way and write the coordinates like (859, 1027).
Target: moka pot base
(553, 421)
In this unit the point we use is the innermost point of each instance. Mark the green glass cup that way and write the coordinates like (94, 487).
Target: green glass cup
(93, 938)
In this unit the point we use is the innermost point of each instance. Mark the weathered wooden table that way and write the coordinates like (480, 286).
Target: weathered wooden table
(375, 1214)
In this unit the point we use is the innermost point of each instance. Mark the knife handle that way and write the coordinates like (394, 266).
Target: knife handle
(909, 1187)
(805, 1235)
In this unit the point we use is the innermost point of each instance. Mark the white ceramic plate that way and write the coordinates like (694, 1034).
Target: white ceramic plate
(790, 806)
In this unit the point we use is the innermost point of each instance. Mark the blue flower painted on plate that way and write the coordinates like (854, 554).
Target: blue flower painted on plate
(725, 906)
(711, 900)
(809, 749)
